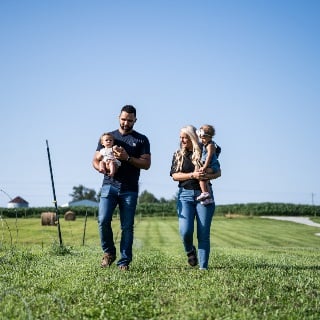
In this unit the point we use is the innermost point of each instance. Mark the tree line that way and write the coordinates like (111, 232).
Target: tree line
(81, 192)
(149, 205)
(168, 208)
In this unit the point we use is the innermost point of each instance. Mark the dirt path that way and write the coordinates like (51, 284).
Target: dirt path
(302, 220)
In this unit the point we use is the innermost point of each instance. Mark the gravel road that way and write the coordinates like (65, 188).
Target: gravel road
(302, 220)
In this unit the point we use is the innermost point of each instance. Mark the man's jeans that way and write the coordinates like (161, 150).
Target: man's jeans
(190, 209)
(127, 201)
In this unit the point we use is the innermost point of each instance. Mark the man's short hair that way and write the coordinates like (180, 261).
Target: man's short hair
(129, 109)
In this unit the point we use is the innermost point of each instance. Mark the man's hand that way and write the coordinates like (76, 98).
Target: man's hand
(120, 153)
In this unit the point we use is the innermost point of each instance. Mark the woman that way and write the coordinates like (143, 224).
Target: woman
(184, 166)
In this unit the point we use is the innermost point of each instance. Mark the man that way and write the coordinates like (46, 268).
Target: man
(133, 150)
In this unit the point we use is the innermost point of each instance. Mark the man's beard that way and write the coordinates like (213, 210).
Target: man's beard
(126, 128)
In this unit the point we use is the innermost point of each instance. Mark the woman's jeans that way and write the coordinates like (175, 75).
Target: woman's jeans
(190, 209)
(127, 201)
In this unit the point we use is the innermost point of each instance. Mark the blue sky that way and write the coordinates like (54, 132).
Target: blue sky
(251, 68)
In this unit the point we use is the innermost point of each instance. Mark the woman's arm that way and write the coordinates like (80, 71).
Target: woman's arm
(182, 176)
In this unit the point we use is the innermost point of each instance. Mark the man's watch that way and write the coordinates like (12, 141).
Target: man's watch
(128, 159)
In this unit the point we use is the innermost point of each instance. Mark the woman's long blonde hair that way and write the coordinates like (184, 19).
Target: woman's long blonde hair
(190, 131)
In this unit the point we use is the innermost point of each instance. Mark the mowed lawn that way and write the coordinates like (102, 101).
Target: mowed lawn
(259, 269)
(163, 234)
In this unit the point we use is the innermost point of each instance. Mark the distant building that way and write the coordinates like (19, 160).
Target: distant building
(81, 203)
(18, 202)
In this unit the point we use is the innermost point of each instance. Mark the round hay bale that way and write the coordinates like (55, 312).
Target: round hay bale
(70, 216)
(48, 218)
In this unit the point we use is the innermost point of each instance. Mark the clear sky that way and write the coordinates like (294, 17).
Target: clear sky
(251, 68)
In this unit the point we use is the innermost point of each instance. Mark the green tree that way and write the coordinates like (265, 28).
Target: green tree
(82, 193)
(163, 200)
(147, 197)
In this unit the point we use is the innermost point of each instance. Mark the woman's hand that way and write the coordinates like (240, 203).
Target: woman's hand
(202, 175)
(202, 169)
(198, 175)
(207, 176)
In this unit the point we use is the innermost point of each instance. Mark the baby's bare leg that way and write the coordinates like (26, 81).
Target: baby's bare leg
(102, 166)
(203, 186)
(112, 167)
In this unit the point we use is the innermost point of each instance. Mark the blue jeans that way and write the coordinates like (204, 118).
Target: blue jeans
(190, 209)
(127, 201)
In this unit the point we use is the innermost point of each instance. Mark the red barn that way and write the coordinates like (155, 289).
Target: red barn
(18, 202)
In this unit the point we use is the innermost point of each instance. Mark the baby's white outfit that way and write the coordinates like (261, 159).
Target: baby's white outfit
(108, 154)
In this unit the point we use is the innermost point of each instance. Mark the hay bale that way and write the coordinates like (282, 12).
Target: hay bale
(48, 218)
(70, 216)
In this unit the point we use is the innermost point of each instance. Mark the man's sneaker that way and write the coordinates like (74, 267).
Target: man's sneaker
(107, 260)
(207, 201)
(192, 257)
(203, 196)
(123, 267)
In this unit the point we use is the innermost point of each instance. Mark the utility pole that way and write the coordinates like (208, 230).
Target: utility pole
(312, 197)
(312, 202)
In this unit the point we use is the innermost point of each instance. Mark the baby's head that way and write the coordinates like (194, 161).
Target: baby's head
(206, 131)
(107, 139)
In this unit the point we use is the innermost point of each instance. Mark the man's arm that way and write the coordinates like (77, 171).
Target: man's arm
(143, 162)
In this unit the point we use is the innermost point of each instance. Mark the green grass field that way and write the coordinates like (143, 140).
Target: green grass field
(259, 269)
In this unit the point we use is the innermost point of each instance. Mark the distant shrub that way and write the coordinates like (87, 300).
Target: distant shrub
(169, 209)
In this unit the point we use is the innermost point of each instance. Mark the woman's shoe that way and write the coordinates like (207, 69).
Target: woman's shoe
(192, 257)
